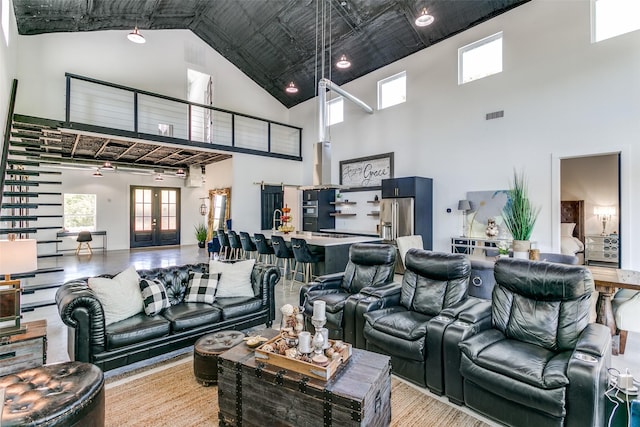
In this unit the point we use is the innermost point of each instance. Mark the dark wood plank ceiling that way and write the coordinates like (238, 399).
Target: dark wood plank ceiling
(274, 41)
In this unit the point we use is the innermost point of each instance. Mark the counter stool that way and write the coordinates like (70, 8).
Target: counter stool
(60, 394)
(264, 249)
(248, 247)
(236, 245)
(304, 256)
(84, 237)
(206, 351)
(225, 247)
(284, 253)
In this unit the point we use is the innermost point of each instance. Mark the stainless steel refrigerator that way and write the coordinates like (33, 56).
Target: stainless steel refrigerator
(396, 218)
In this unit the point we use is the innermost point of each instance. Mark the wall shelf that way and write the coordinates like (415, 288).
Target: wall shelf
(374, 214)
(342, 214)
(375, 202)
(342, 203)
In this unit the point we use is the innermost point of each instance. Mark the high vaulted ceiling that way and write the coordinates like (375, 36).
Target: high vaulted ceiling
(274, 41)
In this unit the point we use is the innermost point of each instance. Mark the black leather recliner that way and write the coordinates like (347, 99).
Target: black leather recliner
(411, 330)
(541, 362)
(370, 265)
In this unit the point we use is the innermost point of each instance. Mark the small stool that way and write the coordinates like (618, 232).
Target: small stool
(206, 351)
(61, 394)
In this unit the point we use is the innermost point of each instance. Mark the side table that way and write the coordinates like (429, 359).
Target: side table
(24, 351)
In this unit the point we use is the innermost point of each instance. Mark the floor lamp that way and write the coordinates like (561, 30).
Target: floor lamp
(16, 256)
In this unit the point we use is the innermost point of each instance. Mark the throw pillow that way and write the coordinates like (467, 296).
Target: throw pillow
(201, 288)
(235, 278)
(566, 228)
(154, 296)
(120, 297)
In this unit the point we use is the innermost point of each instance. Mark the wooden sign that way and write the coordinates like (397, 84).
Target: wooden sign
(366, 173)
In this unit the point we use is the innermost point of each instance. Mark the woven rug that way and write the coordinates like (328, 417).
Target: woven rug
(169, 395)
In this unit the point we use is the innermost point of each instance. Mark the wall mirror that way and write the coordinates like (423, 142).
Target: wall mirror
(219, 209)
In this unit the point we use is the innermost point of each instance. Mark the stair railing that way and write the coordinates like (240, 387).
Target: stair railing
(7, 137)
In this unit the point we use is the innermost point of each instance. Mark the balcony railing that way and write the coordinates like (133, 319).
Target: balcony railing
(93, 104)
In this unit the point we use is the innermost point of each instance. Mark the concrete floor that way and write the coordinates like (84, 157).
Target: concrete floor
(116, 261)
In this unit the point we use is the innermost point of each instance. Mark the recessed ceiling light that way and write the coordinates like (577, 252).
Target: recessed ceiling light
(343, 62)
(424, 19)
(135, 36)
(291, 88)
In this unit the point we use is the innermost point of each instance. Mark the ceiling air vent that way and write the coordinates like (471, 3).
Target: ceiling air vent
(495, 115)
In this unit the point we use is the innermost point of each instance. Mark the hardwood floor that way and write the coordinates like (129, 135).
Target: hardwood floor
(115, 261)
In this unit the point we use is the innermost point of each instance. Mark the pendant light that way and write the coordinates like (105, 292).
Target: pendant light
(107, 166)
(424, 19)
(158, 178)
(97, 173)
(292, 88)
(181, 173)
(343, 62)
(136, 37)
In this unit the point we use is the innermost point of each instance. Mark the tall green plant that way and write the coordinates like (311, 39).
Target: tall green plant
(201, 232)
(518, 214)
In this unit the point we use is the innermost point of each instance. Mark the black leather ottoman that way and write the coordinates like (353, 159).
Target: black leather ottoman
(206, 351)
(62, 394)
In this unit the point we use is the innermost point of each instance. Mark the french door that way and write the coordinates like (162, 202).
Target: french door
(155, 216)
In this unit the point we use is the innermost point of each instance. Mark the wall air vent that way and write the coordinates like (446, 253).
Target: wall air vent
(495, 115)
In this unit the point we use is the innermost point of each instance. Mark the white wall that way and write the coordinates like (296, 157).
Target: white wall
(561, 95)
(8, 59)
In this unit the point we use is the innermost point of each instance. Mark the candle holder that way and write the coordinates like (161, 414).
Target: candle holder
(318, 339)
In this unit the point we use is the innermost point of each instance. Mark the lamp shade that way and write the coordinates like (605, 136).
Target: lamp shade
(18, 256)
(464, 205)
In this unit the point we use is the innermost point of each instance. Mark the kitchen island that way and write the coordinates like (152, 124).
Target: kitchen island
(334, 247)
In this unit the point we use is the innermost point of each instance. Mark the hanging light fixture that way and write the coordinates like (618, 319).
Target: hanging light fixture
(107, 166)
(203, 206)
(343, 62)
(424, 19)
(158, 178)
(181, 173)
(135, 36)
(97, 173)
(292, 88)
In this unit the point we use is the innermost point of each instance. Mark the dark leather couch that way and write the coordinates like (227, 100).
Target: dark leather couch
(411, 327)
(140, 337)
(540, 362)
(370, 265)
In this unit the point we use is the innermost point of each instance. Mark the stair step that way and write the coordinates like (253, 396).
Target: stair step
(43, 242)
(50, 172)
(49, 227)
(34, 273)
(14, 218)
(49, 255)
(19, 206)
(22, 183)
(18, 194)
(22, 162)
(49, 193)
(17, 230)
(49, 216)
(22, 172)
(49, 204)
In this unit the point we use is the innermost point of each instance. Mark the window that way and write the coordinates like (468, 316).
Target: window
(480, 59)
(79, 212)
(5, 20)
(335, 110)
(611, 18)
(392, 90)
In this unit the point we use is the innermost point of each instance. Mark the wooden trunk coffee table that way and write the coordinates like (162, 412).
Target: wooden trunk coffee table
(254, 393)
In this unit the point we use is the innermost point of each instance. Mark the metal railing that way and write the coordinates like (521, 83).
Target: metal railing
(94, 104)
(7, 137)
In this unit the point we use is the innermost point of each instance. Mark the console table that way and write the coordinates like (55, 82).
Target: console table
(74, 234)
(474, 245)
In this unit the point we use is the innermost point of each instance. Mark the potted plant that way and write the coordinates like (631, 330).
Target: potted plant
(201, 234)
(519, 216)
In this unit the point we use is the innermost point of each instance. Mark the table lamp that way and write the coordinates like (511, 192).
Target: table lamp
(16, 256)
(464, 206)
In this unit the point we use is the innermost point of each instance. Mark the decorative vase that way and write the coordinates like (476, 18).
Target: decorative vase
(521, 249)
(201, 244)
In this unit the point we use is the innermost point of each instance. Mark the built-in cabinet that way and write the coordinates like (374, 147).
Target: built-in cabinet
(402, 187)
(321, 217)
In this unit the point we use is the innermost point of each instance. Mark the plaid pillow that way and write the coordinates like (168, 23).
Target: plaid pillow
(154, 296)
(201, 288)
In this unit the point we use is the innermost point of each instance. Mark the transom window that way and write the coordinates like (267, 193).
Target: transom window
(611, 18)
(480, 59)
(392, 90)
(79, 212)
(335, 110)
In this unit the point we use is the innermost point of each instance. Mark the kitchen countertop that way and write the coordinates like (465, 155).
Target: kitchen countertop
(351, 232)
(323, 239)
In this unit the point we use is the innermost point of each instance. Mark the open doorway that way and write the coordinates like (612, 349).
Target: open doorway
(590, 206)
(200, 90)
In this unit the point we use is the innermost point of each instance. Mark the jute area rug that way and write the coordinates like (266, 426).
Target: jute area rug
(169, 395)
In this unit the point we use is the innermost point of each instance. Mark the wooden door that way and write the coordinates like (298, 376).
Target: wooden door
(155, 216)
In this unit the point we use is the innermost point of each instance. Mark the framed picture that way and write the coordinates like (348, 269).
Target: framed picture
(366, 173)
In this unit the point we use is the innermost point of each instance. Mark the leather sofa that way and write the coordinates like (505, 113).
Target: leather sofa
(541, 362)
(370, 266)
(410, 328)
(140, 337)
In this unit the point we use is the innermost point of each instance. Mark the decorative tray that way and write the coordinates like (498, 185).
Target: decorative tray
(305, 368)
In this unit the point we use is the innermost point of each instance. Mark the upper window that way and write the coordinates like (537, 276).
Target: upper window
(335, 110)
(392, 90)
(480, 59)
(80, 212)
(612, 18)
(5, 11)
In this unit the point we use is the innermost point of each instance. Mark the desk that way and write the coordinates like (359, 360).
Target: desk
(607, 280)
(74, 234)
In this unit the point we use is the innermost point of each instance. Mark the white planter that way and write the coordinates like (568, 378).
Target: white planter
(521, 249)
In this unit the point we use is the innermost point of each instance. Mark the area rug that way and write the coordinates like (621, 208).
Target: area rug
(169, 395)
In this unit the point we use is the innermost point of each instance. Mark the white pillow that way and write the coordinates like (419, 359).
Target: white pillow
(120, 297)
(235, 278)
(566, 229)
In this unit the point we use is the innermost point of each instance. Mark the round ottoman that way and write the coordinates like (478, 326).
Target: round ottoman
(61, 394)
(206, 351)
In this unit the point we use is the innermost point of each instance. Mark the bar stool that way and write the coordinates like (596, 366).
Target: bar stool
(283, 252)
(236, 245)
(304, 256)
(84, 237)
(225, 247)
(248, 247)
(264, 249)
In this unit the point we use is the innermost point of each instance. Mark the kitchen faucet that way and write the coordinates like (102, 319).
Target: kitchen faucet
(276, 218)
